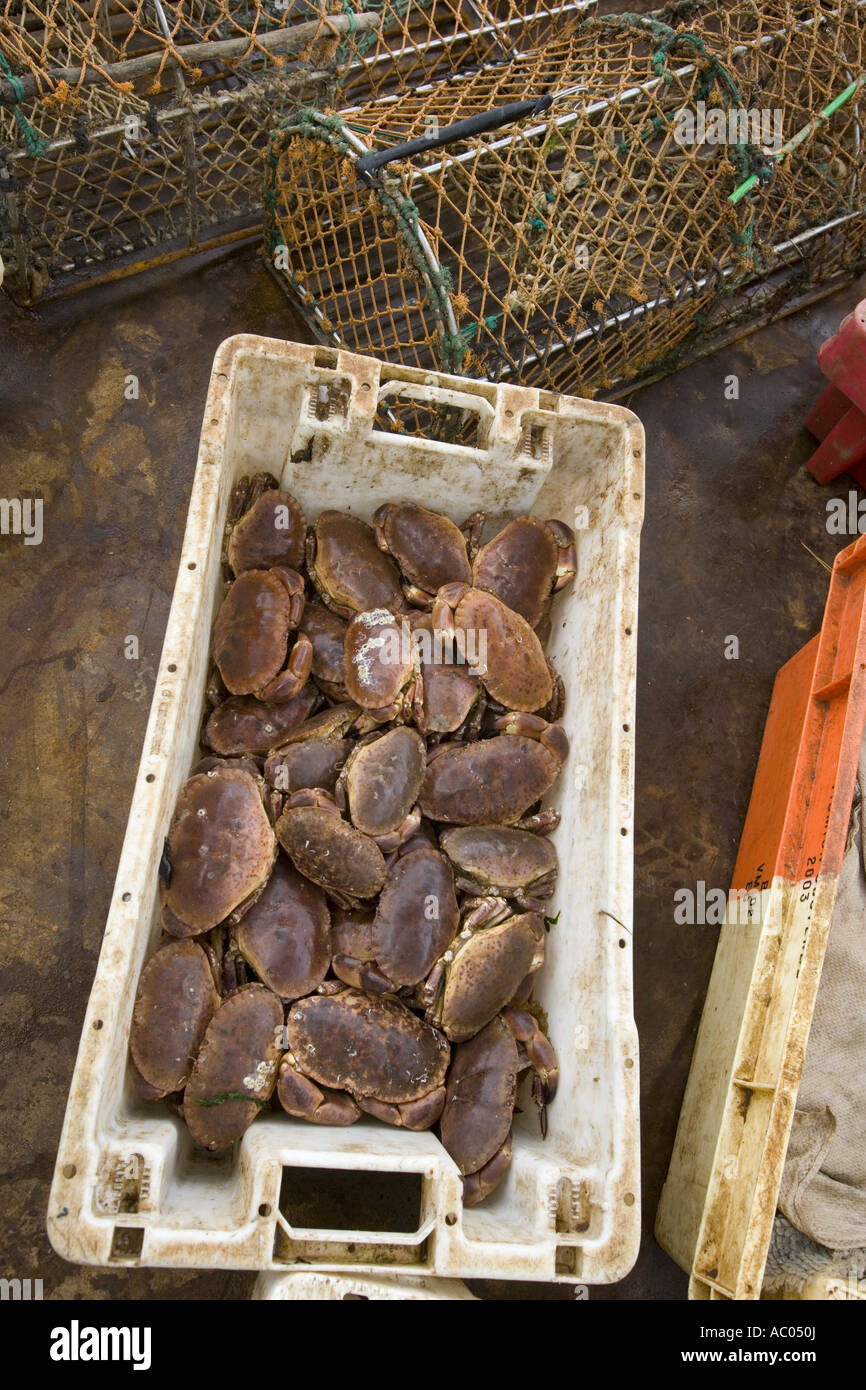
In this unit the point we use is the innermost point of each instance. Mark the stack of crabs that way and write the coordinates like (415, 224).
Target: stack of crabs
(364, 844)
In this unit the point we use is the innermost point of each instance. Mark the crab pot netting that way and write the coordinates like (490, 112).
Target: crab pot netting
(582, 248)
(101, 160)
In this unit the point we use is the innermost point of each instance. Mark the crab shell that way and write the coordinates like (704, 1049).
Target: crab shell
(327, 633)
(247, 763)
(491, 781)
(382, 779)
(516, 672)
(175, 1002)
(238, 1058)
(378, 663)
(253, 630)
(324, 848)
(221, 849)
(479, 1097)
(349, 571)
(372, 1048)
(429, 548)
(450, 691)
(486, 972)
(417, 916)
(316, 762)
(352, 933)
(285, 936)
(271, 533)
(498, 858)
(243, 724)
(520, 565)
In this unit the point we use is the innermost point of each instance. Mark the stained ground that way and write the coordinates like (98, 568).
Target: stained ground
(100, 407)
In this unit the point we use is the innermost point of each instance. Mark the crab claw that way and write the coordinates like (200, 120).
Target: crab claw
(538, 1049)
(306, 1101)
(410, 1114)
(295, 674)
(479, 1185)
(472, 528)
(566, 555)
(552, 736)
(361, 974)
(444, 604)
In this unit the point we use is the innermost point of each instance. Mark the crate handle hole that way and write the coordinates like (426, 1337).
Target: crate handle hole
(346, 1199)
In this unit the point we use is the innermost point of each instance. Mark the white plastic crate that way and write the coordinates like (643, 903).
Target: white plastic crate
(129, 1187)
(334, 1288)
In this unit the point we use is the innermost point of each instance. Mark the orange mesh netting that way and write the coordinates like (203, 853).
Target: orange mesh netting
(579, 247)
(130, 127)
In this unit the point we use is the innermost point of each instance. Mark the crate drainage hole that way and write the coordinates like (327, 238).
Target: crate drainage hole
(339, 1199)
(126, 1243)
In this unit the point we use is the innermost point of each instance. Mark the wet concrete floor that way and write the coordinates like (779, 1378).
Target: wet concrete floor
(730, 512)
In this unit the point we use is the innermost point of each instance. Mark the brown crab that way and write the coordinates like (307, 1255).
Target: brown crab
(481, 1090)
(484, 970)
(175, 1002)
(449, 697)
(313, 753)
(285, 935)
(416, 918)
(380, 670)
(327, 633)
(507, 653)
(429, 548)
(219, 852)
(391, 1064)
(379, 786)
(493, 781)
(254, 646)
(502, 860)
(525, 563)
(243, 724)
(236, 1067)
(315, 762)
(348, 864)
(349, 571)
(271, 532)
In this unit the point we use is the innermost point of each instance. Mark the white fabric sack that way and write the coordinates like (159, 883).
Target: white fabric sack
(823, 1190)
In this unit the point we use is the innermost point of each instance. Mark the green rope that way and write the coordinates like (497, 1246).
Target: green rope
(33, 142)
(397, 9)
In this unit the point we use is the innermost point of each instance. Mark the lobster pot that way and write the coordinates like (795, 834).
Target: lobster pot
(683, 183)
(133, 131)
